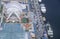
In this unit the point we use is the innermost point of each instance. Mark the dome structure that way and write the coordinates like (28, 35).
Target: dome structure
(14, 7)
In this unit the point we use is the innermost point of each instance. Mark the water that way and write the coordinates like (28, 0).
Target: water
(53, 16)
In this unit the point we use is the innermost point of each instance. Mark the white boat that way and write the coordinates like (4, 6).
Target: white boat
(43, 8)
(49, 30)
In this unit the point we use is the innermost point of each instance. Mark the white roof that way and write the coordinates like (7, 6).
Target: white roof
(16, 5)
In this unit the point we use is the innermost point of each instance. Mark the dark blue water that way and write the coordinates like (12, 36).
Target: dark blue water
(53, 16)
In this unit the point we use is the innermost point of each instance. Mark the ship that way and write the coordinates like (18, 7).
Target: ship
(22, 19)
